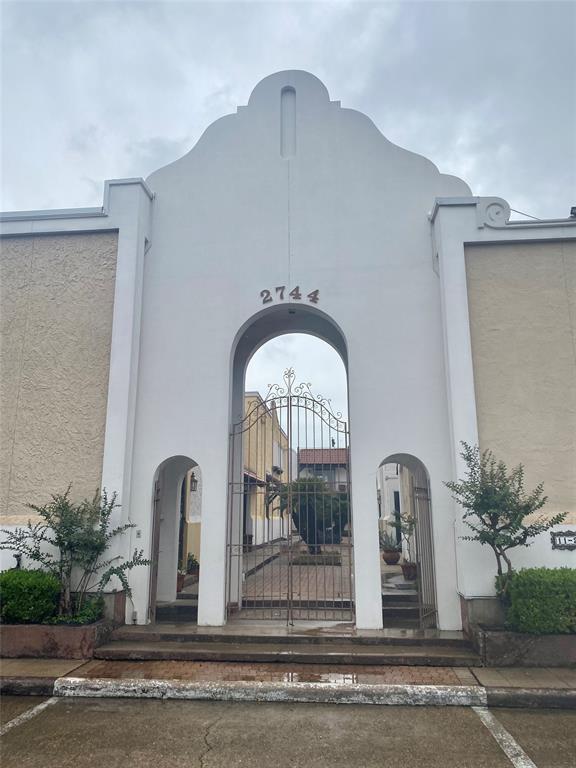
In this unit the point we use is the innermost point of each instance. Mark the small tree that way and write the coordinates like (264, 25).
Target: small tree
(319, 514)
(71, 542)
(496, 507)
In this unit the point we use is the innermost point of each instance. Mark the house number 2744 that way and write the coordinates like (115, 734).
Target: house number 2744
(279, 294)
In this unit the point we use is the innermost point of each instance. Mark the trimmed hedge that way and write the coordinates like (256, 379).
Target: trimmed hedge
(543, 601)
(28, 597)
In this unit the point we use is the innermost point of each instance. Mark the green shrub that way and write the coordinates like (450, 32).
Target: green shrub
(543, 601)
(72, 541)
(92, 610)
(28, 597)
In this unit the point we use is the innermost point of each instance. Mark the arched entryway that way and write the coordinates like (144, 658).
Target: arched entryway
(406, 543)
(176, 533)
(290, 537)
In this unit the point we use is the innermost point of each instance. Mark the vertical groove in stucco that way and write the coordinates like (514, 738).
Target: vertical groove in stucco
(522, 326)
(57, 294)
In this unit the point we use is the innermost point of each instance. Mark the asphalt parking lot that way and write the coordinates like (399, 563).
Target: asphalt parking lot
(125, 733)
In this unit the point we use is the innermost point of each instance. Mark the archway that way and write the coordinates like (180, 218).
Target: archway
(290, 538)
(175, 549)
(406, 542)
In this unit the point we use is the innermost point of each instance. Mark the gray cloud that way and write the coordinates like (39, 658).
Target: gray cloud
(97, 90)
(103, 90)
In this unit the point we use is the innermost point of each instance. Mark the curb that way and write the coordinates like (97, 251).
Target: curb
(321, 693)
(532, 698)
(27, 686)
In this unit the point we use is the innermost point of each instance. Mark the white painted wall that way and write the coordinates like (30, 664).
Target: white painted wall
(195, 499)
(387, 481)
(345, 213)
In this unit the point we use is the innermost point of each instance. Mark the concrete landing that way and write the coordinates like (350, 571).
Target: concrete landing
(342, 684)
(306, 633)
(316, 653)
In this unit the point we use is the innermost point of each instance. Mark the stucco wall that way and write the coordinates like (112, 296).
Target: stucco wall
(522, 304)
(56, 295)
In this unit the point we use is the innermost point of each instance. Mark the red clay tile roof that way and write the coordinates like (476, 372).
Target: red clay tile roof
(323, 456)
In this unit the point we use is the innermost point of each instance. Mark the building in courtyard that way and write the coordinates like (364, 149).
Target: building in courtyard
(331, 464)
(292, 215)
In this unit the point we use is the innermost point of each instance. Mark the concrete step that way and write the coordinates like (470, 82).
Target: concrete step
(190, 633)
(401, 622)
(313, 605)
(398, 611)
(399, 597)
(177, 611)
(429, 655)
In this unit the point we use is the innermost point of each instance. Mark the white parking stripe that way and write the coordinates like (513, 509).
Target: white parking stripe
(28, 715)
(506, 741)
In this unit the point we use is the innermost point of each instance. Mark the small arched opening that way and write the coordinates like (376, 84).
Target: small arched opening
(406, 543)
(176, 534)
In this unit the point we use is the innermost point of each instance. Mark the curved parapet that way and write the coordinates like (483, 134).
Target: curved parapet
(290, 115)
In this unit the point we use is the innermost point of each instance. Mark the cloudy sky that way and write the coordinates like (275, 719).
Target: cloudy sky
(99, 90)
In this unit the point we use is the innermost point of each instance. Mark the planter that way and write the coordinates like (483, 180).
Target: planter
(115, 607)
(483, 611)
(409, 571)
(180, 581)
(193, 573)
(47, 641)
(390, 556)
(500, 647)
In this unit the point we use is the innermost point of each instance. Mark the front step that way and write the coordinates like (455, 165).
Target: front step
(400, 608)
(328, 653)
(338, 635)
(180, 610)
(336, 644)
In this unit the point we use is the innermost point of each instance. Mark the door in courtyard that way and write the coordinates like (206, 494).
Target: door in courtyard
(290, 545)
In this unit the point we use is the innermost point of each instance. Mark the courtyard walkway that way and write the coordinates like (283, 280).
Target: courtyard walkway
(320, 590)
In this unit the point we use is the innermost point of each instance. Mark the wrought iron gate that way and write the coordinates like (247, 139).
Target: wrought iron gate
(290, 542)
(426, 581)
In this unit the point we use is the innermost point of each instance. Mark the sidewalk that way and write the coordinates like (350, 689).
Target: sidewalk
(440, 686)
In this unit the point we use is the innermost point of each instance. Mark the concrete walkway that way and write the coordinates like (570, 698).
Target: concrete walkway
(508, 687)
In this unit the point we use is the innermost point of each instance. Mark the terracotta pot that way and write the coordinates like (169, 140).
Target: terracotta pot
(390, 556)
(409, 571)
(180, 582)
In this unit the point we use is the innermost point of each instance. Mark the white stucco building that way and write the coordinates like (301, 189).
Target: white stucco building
(291, 191)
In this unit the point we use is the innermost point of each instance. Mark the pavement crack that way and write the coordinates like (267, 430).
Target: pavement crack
(209, 747)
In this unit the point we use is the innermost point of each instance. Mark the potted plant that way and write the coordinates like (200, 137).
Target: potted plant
(192, 565)
(391, 549)
(180, 576)
(406, 524)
